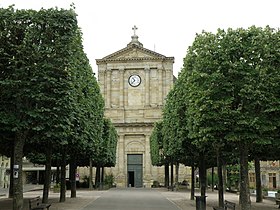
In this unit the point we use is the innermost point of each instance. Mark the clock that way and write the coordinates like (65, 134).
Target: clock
(134, 80)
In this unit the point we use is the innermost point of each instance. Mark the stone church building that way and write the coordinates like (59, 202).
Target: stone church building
(134, 82)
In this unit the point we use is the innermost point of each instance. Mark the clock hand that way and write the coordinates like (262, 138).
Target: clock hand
(133, 80)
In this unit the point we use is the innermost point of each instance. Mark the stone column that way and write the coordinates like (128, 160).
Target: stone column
(118, 170)
(121, 159)
(125, 91)
(147, 86)
(169, 80)
(164, 85)
(121, 73)
(108, 88)
(160, 83)
(101, 80)
(148, 164)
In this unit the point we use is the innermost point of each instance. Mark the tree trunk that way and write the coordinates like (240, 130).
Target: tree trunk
(259, 197)
(57, 178)
(166, 173)
(63, 178)
(102, 177)
(202, 174)
(193, 181)
(11, 188)
(244, 196)
(202, 179)
(177, 176)
(73, 177)
(90, 175)
(172, 176)
(97, 177)
(212, 177)
(220, 180)
(48, 174)
(17, 173)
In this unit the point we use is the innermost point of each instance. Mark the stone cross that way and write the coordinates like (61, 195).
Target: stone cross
(134, 29)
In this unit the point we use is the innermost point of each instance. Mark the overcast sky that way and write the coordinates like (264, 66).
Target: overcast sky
(166, 26)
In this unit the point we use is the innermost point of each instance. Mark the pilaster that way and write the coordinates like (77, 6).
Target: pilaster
(121, 153)
(148, 164)
(160, 84)
(108, 89)
(147, 86)
(125, 91)
(122, 80)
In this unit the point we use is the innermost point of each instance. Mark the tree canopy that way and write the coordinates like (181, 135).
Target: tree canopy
(226, 96)
(50, 98)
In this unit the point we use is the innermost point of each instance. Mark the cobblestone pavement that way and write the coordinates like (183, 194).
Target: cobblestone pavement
(85, 197)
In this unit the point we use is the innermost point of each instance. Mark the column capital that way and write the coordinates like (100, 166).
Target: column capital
(160, 66)
(101, 70)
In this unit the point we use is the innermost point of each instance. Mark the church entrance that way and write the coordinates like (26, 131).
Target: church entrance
(135, 170)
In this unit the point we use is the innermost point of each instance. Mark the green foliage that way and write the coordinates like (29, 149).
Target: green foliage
(35, 80)
(226, 99)
(156, 184)
(156, 145)
(173, 129)
(47, 86)
(106, 150)
(36, 83)
(233, 176)
(109, 180)
(231, 83)
(209, 179)
(227, 76)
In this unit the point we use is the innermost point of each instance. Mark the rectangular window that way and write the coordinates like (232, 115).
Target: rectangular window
(252, 177)
(272, 180)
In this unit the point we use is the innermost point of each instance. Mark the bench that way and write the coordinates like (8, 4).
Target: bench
(227, 205)
(277, 202)
(36, 204)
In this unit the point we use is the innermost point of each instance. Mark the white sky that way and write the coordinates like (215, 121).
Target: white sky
(167, 26)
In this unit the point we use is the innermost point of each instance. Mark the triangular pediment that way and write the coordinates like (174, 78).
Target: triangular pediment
(133, 52)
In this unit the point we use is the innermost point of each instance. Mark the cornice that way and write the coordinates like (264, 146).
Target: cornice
(133, 124)
(110, 58)
(100, 61)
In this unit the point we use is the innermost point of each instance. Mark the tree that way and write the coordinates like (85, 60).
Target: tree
(43, 73)
(105, 151)
(158, 155)
(16, 100)
(228, 81)
(176, 144)
(156, 145)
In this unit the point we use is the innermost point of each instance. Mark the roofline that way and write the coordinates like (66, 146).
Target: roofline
(108, 58)
(99, 61)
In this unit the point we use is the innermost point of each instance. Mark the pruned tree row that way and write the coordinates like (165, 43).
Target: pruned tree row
(224, 107)
(50, 103)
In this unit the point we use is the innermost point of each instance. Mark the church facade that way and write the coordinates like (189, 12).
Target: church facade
(134, 82)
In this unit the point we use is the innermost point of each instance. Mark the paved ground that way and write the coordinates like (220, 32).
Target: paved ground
(132, 198)
(86, 199)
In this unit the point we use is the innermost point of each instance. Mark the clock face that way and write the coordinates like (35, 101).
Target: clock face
(134, 80)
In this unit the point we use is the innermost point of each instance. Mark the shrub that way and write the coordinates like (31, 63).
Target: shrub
(109, 180)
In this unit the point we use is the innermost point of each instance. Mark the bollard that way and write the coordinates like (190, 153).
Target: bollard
(200, 202)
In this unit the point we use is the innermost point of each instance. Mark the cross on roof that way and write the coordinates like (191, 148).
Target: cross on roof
(134, 29)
